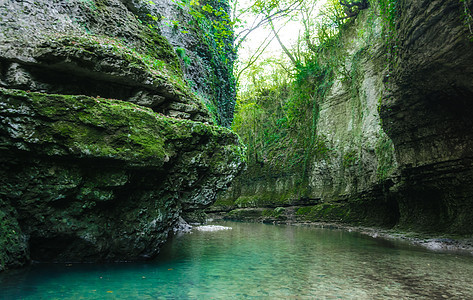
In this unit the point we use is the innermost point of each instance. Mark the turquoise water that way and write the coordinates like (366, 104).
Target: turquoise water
(258, 261)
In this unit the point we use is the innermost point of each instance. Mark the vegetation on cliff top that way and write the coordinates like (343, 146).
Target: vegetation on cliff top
(210, 24)
(276, 114)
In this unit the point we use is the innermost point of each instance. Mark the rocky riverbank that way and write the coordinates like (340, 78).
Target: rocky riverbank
(461, 244)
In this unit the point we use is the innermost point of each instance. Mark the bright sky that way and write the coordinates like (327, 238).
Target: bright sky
(288, 34)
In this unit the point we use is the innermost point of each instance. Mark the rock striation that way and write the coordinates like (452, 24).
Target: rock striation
(397, 122)
(102, 143)
(348, 180)
(427, 112)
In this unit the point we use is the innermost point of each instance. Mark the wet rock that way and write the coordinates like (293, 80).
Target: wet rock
(91, 179)
(182, 227)
(103, 143)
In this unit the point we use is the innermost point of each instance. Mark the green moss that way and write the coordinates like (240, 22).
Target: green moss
(223, 202)
(258, 215)
(247, 201)
(304, 211)
(245, 214)
(159, 47)
(325, 212)
(349, 159)
(267, 213)
(100, 127)
(12, 247)
(277, 213)
(385, 153)
(157, 59)
(265, 199)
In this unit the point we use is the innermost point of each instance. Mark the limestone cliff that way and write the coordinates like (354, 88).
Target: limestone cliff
(102, 142)
(395, 124)
(427, 112)
(206, 55)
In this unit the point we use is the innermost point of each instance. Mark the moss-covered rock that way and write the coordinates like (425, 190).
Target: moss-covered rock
(203, 41)
(103, 143)
(92, 179)
(13, 244)
(95, 48)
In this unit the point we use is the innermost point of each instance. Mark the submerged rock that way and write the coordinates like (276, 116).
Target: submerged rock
(212, 228)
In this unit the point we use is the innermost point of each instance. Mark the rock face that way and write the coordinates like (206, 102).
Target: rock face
(102, 143)
(428, 115)
(93, 49)
(347, 182)
(398, 128)
(206, 55)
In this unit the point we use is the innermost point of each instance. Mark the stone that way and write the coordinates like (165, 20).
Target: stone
(428, 115)
(92, 168)
(87, 54)
(90, 179)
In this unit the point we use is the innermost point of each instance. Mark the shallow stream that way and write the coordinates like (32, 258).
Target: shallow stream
(258, 261)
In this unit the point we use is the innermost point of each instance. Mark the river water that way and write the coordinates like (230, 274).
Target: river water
(254, 261)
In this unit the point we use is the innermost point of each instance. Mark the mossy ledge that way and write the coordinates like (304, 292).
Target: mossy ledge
(94, 179)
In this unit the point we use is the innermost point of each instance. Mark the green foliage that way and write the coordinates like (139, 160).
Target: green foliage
(276, 116)
(217, 43)
(216, 35)
(277, 111)
(209, 22)
(467, 17)
(214, 19)
(349, 159)
(390, 10)
(181, 52)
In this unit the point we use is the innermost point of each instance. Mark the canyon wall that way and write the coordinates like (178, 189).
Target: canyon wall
(395, 124)
(427, 112)
(103, 143)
